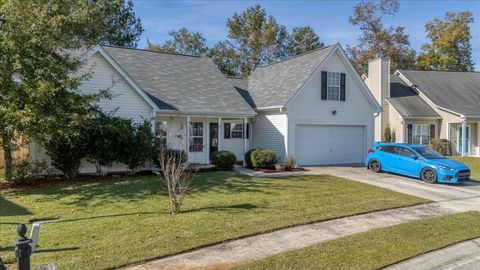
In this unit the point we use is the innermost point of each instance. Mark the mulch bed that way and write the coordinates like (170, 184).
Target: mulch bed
(267, 170)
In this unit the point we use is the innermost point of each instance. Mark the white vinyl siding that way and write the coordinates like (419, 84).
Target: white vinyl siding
(270, 131)
(125, 102)
(307, 107)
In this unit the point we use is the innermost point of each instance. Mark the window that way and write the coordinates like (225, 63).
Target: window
(421, 134)
(333, 85)
(196, 137)
(404, 152)
(161, 132)
(429, 153)
(388, 149)
(237, 131)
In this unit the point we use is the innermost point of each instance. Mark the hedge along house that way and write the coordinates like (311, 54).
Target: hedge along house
(425, 105)
(314, 106)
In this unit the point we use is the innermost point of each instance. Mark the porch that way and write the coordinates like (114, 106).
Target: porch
(464, 137)
(205, 135)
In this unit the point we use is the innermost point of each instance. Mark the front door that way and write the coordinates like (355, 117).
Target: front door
(467, 139)
(213, 138)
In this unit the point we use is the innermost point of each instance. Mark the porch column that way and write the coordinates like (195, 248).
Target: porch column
(478, 138)
(464, 137)
(245, 140)
(219, 135)
(187, 135)
(402, 131)
(206, 147)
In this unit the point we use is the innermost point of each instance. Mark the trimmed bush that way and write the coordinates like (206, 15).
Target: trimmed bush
(224, 160)
(264, 158)
(248, 157)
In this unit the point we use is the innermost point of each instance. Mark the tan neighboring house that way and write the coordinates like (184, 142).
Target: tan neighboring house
(423, 105)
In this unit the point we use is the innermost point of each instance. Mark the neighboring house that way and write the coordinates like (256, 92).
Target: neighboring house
(314, 106)
(423, 105)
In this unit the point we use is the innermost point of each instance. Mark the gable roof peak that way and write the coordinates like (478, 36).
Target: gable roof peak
(299, 55)
(151, 51)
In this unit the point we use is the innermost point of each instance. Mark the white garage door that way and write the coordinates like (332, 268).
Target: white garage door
(319, 144)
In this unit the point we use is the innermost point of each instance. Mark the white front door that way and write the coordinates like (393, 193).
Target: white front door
(467, 139)
(325, 144)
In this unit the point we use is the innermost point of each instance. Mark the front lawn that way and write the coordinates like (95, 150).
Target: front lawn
(473, 163)
(378, 248)
(108, 224)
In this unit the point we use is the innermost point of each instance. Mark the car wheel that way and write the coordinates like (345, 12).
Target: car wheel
(428, 176)
(374, 166)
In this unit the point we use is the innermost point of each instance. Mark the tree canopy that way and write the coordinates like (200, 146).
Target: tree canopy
(450, 47)
(39, 48)
(303, 39)
(183, 41)
(377, 39)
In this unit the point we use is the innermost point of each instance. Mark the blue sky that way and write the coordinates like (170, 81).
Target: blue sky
(328, 18)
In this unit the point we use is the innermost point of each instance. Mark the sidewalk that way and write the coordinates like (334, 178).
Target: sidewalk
(234, 252)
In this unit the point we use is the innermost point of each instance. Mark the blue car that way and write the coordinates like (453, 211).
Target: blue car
(415, 161)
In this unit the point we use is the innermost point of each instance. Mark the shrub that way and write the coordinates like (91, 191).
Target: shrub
(248, 157)
(387, 134)
(66, 153)
(224, 160)
(26, 173)
(264, 158)
(138, 147)
(290, 162)
(439, 145)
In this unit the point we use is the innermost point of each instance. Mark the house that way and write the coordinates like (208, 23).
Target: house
(314, 106)
(424, 105)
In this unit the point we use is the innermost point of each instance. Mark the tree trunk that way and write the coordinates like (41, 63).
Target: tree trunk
(7, 154)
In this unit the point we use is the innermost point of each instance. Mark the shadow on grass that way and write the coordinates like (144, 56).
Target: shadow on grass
(143, 187)
(56, 249)
(106, 216)
(245, 206)
(8, 208)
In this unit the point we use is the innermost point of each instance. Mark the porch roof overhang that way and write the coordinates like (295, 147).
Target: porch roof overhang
(204, 114)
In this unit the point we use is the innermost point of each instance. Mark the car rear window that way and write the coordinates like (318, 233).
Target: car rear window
(388, 149)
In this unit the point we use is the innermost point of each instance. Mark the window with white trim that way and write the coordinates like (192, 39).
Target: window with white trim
(421, 134)
(333, 85)
(196, 137)
(236, 131)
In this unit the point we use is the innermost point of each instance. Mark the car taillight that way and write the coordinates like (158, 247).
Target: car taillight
(370, 151)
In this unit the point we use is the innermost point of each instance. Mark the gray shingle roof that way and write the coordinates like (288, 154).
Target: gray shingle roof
(188, 84)
(455, 91)
(406, 101)
(274, 84)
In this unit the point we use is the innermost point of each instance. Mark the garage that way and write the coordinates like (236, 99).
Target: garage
(329, 144)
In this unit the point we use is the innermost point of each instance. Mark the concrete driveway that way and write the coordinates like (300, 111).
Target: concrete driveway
(412, 186)
(456, 198)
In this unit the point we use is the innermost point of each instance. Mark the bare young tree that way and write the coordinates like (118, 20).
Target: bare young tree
(177, 175)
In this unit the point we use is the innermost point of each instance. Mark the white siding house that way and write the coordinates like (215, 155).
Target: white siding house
(313, 106)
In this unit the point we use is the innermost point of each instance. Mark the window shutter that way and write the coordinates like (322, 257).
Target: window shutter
(432, 132)
(226, 130)
(409, 133)
(342, 86)
(248, 130)
(324, 85)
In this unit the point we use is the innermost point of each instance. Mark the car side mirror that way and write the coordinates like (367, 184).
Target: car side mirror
(415, 157)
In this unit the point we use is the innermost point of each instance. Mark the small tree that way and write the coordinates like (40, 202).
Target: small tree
(387, 134)
(177, 175)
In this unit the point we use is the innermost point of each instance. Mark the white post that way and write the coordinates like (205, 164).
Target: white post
(245, 121)
(187, 135)
(402, 131)
(478, 138)
(464, 137)
(220, 128)
(207, 145)
(34, 235)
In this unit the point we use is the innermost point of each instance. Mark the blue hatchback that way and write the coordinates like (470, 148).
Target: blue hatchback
(416, 161)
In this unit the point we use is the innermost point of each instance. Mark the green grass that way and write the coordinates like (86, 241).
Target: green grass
(110, 224)
(473, 163)
(378, 248)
